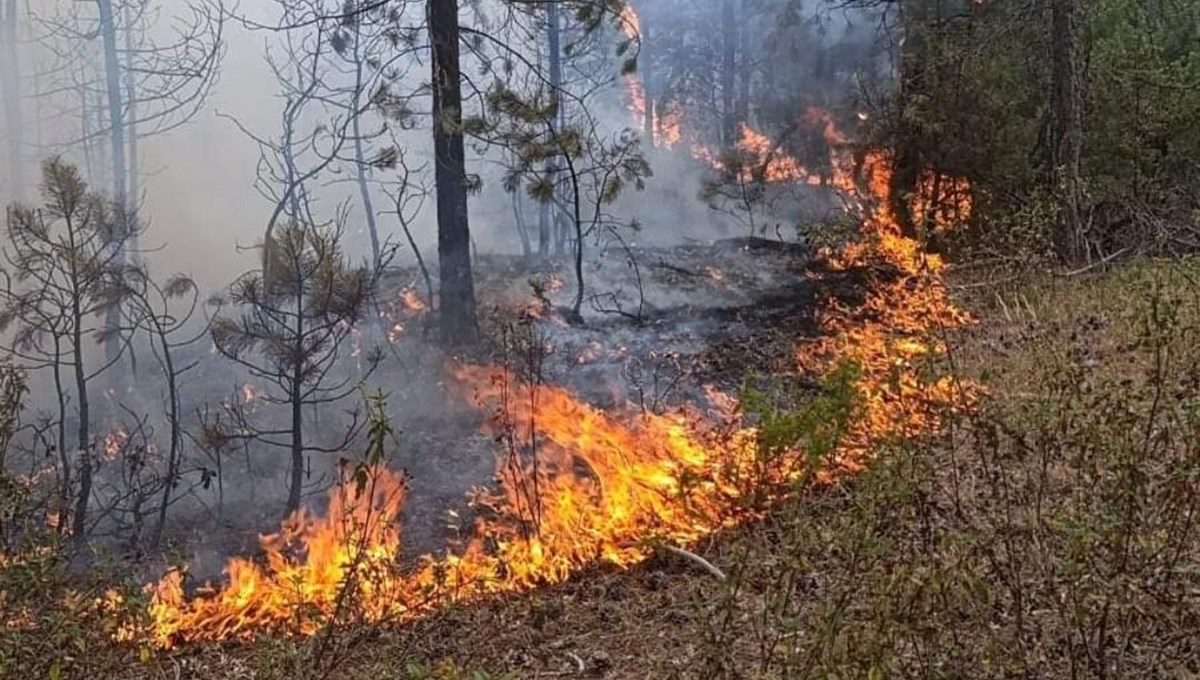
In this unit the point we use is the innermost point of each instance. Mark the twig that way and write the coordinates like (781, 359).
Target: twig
(698, 560)
(675, 268)
(1092, 266)
(578, 661)
(986, 284)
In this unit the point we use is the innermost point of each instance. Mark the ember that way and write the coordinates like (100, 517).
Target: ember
(114, 443)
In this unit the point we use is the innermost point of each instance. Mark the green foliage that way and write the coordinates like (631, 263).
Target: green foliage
(1052, 535)
(801, 433)
(58, 624)
(53, 623)
(816, 425)
(976, 103)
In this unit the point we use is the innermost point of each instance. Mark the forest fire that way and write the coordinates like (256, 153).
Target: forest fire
(250, 393)
(114, 443)
(602, 486)
(760, 157)
(412, 302)
(356, 542)
(667, 127)
(407, 305)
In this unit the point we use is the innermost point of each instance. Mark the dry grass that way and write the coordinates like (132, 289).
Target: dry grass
(1051, 534)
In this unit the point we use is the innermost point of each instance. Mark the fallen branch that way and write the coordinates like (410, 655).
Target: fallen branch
(674, 268)
(698, 560)
(1090, 267)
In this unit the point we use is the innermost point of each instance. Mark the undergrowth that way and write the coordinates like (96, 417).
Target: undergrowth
(1050, 534)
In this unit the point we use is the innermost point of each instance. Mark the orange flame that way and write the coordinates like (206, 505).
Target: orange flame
(579, 485)
(760, 157)
(355, 542)
(114, 443)
(412, 301)
(406, 306)
(249, 393)
(667, 127)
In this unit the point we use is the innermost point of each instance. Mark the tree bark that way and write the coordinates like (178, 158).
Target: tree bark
(83, 409)
(120, 171)
(176, 436)
(744, 66)
(1067, 149)
(131, 133)
(296, 484)
(728, 73)
(547, 214)
(360, 159)
(648, 91)
(907, 157)
(457, 289)
(10, 90)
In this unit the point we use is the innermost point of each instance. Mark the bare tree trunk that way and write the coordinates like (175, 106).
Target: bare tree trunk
(548, 218)
(728, 75)
(297, 481)
(10, 90)
(64, 457)
(907, 158)
(577, 307)
(364, 192)
(519, 221)
(648, 89)
(176, 438)
(360, 160)
(131, 120)
(1070, 241)
(544, 229)
(120, 172)
(744, 66)
(79, 520)
(457, 289)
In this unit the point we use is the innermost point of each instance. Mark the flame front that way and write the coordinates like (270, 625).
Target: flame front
(115, 442)
(578, 485)
(667, 127)
(354, 545)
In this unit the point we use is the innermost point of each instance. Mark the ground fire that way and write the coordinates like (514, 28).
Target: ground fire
(621, 339)
(605, 486)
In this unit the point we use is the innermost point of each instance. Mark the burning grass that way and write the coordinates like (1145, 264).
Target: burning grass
(1045, 529)
(579, 486)
(1045, 533)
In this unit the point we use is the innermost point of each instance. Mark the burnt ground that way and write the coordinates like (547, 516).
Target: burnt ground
(709, 315)
(716, 314)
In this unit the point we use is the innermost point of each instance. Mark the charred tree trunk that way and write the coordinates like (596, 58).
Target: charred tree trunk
(544, 229)
(728, 73)
(296, 484)
(176, 436)
(10, 90)
(1067, 149)
(83, 411)
(457, 289)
